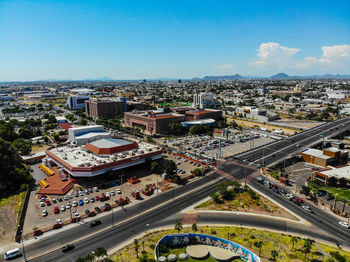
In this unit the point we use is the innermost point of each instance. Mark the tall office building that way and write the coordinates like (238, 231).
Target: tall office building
(203, 100)
(77, 102)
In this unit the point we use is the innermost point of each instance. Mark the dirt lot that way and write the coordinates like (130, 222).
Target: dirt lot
(243, 202)
(9, 209)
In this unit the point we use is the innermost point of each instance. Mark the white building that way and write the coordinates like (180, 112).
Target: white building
(203, 100)
(86, 134)
(77, 102)
(336, 94)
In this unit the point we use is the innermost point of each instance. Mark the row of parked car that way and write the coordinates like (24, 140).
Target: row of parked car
(284, 193)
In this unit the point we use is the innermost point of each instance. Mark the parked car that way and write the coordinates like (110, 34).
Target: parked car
(118, 191)
(81, 203)
(67, 248)
(63, 208)
(59, 221)
(59, 199)
(76, 214)
(42, 204)
(56, 210)
(92, 199)
(54, 200)
(97, 198)
(112, 193)
(97, 209)
(44, 213)
(86, 200)
(65, 198)
(75, 203)
(68, 206)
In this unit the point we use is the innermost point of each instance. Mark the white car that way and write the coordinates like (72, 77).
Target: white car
(307, 208)
(44, 213)
(118, 191)
(108, 194)
(112, 193)
(68, 206)
(86, 200)
(81, 193)
(59, 221)
(344, 224)
(75, 203)
(42, 204)
(63, 208)
(76, 214)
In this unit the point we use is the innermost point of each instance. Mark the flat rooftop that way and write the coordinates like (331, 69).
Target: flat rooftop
(80, 156)
(338, 172)
(316, 153)
(110, 142)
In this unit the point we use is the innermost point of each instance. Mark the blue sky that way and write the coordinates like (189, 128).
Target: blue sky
(71, 39)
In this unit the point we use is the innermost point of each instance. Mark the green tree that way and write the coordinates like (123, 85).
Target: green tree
(178, 226)
(194, 227)
(294, 240)
(80, 259)
(100, 252)
(274, 254)
(154, 166)
(307, 246)
(89, 258)
(56, 137)
(332, 181)
(170, 167)
(23, 147)
(136, 243)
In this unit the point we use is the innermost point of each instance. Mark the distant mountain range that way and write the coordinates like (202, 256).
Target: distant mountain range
(206, 78)
(276, 76)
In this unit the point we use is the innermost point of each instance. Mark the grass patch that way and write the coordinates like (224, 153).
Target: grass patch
(341, 193)
(246, 237)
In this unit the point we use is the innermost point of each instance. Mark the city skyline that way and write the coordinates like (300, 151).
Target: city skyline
(93, 39)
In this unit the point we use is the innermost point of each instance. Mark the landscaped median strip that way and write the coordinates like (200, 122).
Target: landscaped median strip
(128, 219)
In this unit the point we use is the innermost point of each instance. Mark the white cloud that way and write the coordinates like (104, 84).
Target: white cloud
(274, 53)
(273, 56)
(336, 51)
(226, 66)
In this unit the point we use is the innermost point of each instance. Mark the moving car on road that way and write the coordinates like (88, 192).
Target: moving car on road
(344, 224)
(67, 248)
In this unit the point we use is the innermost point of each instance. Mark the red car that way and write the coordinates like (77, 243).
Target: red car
(97, 198)
(56, 210)
(103, 195)
(48, 203)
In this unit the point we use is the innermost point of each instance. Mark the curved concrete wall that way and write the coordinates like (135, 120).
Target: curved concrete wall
(174, 240)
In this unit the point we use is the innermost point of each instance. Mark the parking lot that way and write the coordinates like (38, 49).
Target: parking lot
(84, 196)
(208, 147)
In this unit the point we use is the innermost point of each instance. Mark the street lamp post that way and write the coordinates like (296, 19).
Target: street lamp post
(24, 252)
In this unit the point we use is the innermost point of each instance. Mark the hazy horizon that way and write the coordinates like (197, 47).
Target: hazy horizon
(76, 40)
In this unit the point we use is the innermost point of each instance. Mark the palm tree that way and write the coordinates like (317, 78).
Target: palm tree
(178, 226)
(136, 242)
(194, 227)
(274, 254)
(294, 240)
(307, 246)
(259, 245)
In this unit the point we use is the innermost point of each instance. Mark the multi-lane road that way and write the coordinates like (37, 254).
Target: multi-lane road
(132, 222)
(272, 152)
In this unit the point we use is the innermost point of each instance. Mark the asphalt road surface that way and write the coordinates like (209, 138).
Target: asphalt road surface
(319, 218)
(270, 153)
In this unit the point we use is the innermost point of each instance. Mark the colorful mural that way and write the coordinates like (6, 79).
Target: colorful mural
(176, 240)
